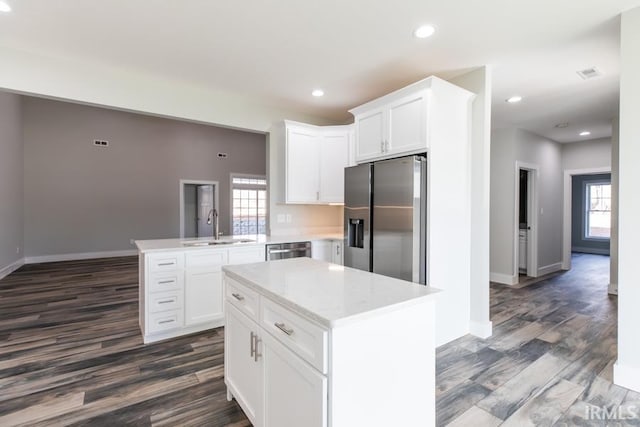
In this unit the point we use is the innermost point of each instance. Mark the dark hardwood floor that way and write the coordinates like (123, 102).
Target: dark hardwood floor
(71, 354)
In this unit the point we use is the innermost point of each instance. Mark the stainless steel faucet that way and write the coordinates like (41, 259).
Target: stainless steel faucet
(213, 218)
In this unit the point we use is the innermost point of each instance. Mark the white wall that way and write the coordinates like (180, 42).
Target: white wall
(615, 191)
(509, 146)
(595, 153)
(479, 82)
(627, 368)
(11, 183)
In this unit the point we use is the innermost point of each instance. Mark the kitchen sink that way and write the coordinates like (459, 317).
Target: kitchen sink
(216, 242)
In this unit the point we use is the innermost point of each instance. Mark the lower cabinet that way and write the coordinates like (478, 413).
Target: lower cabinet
(203, 297)
(327, 250)
(272, 384)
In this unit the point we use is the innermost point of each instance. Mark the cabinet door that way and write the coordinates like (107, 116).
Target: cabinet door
(295, 394)
(336, 252)
(334, 157)
(407, 126)
(241, 371)
(203, 297)
(302, 166)
(321, 250)
(369, 135)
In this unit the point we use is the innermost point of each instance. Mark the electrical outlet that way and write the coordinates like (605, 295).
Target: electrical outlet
(132, 242)
(17, 249)
(281, 218)
(288, 218)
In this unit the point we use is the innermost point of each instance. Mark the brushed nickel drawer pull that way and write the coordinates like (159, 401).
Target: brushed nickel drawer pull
(284, 328)
(238, 297)
(253, 341)
(167, 301)
(164, 282)
(162, 264)
(162, 322)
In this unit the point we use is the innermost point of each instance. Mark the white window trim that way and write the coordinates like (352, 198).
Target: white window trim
(586, 210)
(249, 187)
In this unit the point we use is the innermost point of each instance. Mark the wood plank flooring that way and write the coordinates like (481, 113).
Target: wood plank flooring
(71, 354)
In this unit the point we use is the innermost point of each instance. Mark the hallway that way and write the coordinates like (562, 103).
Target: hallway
(550, 357)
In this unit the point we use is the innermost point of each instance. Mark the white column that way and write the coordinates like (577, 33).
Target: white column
(627, 368)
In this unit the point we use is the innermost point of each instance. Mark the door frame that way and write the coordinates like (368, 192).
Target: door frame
(183, 182)
(532, 207)
(566, 209)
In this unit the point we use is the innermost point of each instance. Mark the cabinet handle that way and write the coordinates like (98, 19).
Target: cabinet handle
(167, 301)
(317, 195)
(256, 355)
(338, 250)
(162, 322)
(238, 297)
(163, 264)
(164, 282)
(284, 328)
(252, 343)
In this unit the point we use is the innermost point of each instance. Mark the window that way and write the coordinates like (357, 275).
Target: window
(598, 210)
(249, 201)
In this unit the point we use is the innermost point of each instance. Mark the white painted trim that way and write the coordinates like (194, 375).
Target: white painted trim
(5, 271)
(184, 182)
(626, 376)
(481, 329)
(532, 205)
(79, 256)
(505, 279)
(595, 251)
(566, 210)
(551, 268)
(246, 175)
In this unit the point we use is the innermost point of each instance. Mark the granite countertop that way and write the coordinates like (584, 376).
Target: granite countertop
(330, 294)
(157, 245)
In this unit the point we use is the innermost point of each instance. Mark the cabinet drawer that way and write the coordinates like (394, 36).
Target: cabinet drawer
(165, 301)
(165, 321)
(243, 298)
(246, 255)
(166, 262)
(210, 259)
(306, 339)
(162, 282)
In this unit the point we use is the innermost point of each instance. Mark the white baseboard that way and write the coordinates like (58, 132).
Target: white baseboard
(590, 250)
(481, 329)
(5, 271)
(78, 256)
(551, 268)
(505, 279)
(626, 376)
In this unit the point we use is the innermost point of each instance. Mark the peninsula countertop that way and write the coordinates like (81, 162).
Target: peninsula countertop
(330, 294)
(158, 245)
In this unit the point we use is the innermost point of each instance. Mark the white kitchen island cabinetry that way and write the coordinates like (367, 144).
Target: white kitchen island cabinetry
(181, 290)
(315, 344)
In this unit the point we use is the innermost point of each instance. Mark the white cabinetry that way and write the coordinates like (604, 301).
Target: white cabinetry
(181, 292)
(336, 252)
(276, 358)
(327, 250)
(315, 158)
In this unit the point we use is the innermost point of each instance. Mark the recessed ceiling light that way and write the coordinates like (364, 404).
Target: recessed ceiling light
(514, 99)
(585, 133)
(317, 92)
(4, 7)
(562, 125)
(424, 31)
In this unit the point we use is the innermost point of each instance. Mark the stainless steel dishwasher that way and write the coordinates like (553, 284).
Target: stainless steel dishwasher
(288, 250)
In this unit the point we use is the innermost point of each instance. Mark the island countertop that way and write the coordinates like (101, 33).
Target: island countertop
(330, 294)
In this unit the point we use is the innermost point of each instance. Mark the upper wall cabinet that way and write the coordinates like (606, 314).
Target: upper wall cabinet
(404, 122)
(315, 158)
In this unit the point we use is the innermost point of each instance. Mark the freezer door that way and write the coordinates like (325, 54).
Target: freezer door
(399, 242)
(357, 217)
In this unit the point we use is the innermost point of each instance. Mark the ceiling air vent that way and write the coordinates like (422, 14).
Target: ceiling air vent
(589, 73)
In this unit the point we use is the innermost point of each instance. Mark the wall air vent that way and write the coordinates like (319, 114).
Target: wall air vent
(589, 73)
(100, 143)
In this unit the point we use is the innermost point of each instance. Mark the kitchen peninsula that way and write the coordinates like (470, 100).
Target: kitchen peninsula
(308, 343)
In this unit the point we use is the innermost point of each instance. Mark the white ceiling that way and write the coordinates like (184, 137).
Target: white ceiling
(277, 51)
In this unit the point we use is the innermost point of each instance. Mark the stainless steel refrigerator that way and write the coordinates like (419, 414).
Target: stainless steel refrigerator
(385, 218)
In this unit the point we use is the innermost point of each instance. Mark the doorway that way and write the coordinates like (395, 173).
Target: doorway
(526, 222)
(198, 203)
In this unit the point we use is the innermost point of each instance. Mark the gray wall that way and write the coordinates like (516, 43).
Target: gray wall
(578, 242)
(595, 153)
(79, 198)
(507, 147)
(11, 180)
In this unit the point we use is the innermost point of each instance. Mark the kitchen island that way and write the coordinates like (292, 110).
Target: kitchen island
(308, 343)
